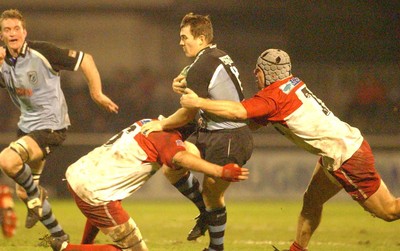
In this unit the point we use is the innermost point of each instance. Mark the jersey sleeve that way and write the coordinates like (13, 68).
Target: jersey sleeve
(259, 106)
(59, 58)
(167, 144)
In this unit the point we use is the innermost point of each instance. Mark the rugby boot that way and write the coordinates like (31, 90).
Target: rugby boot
(59, 243)
(200, 228)
(35, 208)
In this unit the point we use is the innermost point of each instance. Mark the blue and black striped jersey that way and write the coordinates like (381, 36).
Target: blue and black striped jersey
(33, 82)
(214, 75)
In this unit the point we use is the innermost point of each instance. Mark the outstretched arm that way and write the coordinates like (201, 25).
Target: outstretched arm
(180, 118)
(223, 108)
(92, 76)
(229, 172)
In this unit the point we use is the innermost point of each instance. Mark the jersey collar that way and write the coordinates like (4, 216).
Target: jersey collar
(211, 46)
(282, 81)
(23, 49)
(9, 59)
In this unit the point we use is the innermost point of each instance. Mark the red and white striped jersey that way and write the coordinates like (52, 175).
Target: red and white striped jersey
(121, 166)
(305, 120)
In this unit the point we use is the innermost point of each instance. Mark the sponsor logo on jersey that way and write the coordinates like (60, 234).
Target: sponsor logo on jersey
(33, 77)
(180, 143)
(226, 60)
(286, 88)
(72, 53)
(23, 92)
(145, 121)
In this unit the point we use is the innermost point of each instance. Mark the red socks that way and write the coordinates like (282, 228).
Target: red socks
(91, 247)
(296, 247)
(89, 233)
(88, 237)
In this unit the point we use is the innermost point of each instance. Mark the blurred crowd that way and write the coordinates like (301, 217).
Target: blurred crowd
(374, 106)
(371, 104)
(139, 95)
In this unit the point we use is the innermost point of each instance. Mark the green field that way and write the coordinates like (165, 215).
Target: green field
(251, 226)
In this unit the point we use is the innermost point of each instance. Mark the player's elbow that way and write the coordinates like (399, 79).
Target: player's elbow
(178, 159)
(238, 114)
(190, 114)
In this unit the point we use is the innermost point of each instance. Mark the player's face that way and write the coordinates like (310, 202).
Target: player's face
(190, 45)
(13, 34)
(260, 80)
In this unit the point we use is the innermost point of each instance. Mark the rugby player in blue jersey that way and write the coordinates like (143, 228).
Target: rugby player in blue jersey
(30, 72)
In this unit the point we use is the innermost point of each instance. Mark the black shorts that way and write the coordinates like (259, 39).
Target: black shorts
(47, 139)
(224, 146)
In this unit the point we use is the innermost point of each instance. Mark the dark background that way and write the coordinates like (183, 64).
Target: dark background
(346, 51)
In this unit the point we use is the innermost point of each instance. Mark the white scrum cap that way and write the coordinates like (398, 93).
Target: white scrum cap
(275, 65)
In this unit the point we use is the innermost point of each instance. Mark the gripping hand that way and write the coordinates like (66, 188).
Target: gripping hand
(234, 173)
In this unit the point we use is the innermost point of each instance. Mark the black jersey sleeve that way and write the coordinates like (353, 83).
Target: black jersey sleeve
(58, 58)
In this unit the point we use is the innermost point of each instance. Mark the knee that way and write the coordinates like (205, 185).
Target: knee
(12, 157)
(386, 208)
(213, 201)
(127, 236)
(8, 162)
(174, 175)
(213, 197)
(388, 216)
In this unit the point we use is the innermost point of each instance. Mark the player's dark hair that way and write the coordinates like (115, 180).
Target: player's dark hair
(199, 25)
(12, 14)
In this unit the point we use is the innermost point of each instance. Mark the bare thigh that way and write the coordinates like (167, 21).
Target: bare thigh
(322, 187)
(383, 204)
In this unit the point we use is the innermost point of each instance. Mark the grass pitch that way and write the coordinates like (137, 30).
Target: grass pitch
(251, 226)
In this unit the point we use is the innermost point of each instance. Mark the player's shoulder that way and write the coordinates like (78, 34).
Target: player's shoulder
(41, 45)
(213, 54)
(47, 49)
(207, 61)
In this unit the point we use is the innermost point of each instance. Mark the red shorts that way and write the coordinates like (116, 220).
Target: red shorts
(103, 216)
(358, 175)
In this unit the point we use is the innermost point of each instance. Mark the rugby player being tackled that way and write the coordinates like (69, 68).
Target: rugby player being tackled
(100, 180)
